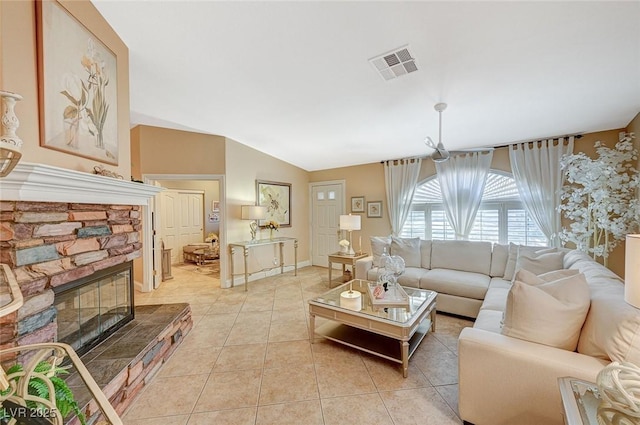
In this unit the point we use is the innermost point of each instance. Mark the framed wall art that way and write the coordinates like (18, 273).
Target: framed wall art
(357, 204)
(374, 209)
(277, 198)
(77, 85)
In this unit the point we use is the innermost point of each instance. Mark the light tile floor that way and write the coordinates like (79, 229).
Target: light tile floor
(248, 360)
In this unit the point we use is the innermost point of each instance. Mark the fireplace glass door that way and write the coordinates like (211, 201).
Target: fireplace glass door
(94, 307)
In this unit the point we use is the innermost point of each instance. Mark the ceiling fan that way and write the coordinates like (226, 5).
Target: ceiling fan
(440, 154)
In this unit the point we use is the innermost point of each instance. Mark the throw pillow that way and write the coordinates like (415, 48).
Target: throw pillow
(512, 258)
(408, 249)
(533, 279)
(378, 243)
(551, 313)
(539, 264)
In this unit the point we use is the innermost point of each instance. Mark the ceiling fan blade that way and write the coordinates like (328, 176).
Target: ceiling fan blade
(430, 143)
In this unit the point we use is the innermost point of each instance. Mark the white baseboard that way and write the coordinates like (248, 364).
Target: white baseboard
(238, 280)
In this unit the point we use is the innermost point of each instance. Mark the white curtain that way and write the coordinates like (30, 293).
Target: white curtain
(462, 179)
(538, 175)
(400, 178)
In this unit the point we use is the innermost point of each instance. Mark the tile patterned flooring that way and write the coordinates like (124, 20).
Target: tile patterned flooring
(248, 360)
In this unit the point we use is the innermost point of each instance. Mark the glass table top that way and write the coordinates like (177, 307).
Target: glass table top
(417, 299)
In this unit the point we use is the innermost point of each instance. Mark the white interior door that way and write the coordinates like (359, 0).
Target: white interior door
(327, 203)
(182, 218)
(191, 218)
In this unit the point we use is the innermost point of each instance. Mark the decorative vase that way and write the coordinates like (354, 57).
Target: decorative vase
(10, 143)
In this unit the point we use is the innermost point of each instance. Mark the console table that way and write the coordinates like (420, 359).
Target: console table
(248, 245)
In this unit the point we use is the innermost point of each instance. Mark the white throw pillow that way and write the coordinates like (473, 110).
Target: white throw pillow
(516, 250)
(551, 313)
(540, 263)
(526, 276)
(378, 243)
(408, 249)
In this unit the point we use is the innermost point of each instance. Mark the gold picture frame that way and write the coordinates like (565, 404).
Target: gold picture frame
(374, 209)
(357, 204)
(77, 86)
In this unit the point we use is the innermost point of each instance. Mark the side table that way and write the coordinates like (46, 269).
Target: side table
(345, 260)
(580, 400)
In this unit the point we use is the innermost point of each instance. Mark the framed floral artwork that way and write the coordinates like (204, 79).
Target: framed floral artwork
(78, 87)
(374, 209)
(277, 198)
(357, 204)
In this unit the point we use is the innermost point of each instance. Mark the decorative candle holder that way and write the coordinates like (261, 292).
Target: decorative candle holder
(10, 143)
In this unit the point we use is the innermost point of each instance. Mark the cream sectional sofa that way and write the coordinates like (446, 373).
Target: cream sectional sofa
(460, 271)
(505, 380)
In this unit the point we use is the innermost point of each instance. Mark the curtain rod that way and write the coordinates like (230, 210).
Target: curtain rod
(575, 136)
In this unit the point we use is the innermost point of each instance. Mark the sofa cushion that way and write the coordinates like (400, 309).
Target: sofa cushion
(425, 252)
(411, 276)
(496, 298)
(456, 282)
(612, 328)
(466, 256)
(516, 250)
(551, 313)
(378, 244)
(408, 249)
(499, 256)
(489, 320)
(540, 263)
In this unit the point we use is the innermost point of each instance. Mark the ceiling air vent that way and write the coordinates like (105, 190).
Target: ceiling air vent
(395, 64)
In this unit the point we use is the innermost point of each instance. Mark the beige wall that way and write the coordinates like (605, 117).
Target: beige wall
(18, 73)
(167, 151)
(246, 165)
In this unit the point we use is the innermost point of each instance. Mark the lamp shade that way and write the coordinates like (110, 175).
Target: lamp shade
(349, 222)
(632, 271)
(254, 212)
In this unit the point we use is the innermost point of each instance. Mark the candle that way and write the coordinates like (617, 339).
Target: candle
(351, 300)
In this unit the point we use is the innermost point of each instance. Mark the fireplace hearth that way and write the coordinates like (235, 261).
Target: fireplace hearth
(93, 307)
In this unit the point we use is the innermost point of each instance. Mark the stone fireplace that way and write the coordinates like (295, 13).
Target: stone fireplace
(57, 227)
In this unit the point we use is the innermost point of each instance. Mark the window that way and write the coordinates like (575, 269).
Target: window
(501, 217)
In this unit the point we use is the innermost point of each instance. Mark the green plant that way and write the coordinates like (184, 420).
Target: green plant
(38, 387)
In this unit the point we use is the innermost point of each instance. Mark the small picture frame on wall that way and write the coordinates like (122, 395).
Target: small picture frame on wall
(357, 204)
(374, 209)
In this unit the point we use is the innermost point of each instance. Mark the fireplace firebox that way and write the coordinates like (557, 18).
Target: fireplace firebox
(92, 308)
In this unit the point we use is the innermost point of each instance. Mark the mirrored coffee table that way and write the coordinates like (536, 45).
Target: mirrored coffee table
(392, 333)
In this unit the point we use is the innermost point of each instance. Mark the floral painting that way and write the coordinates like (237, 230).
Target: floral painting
(78, 86)
(277, 198)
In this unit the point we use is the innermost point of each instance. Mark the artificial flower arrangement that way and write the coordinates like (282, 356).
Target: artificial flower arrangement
(344, 243)
(211, 237)
(272, 225)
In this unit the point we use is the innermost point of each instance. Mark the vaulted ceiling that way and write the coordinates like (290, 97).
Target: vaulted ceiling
(293, 79)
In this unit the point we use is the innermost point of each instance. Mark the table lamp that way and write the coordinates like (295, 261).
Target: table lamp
(254, 213)
(350, 223)
(632, 271)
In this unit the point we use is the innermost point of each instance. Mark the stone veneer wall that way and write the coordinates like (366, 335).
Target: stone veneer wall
(48, 244)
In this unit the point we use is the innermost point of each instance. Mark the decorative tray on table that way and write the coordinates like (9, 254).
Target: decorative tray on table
(401, 299)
